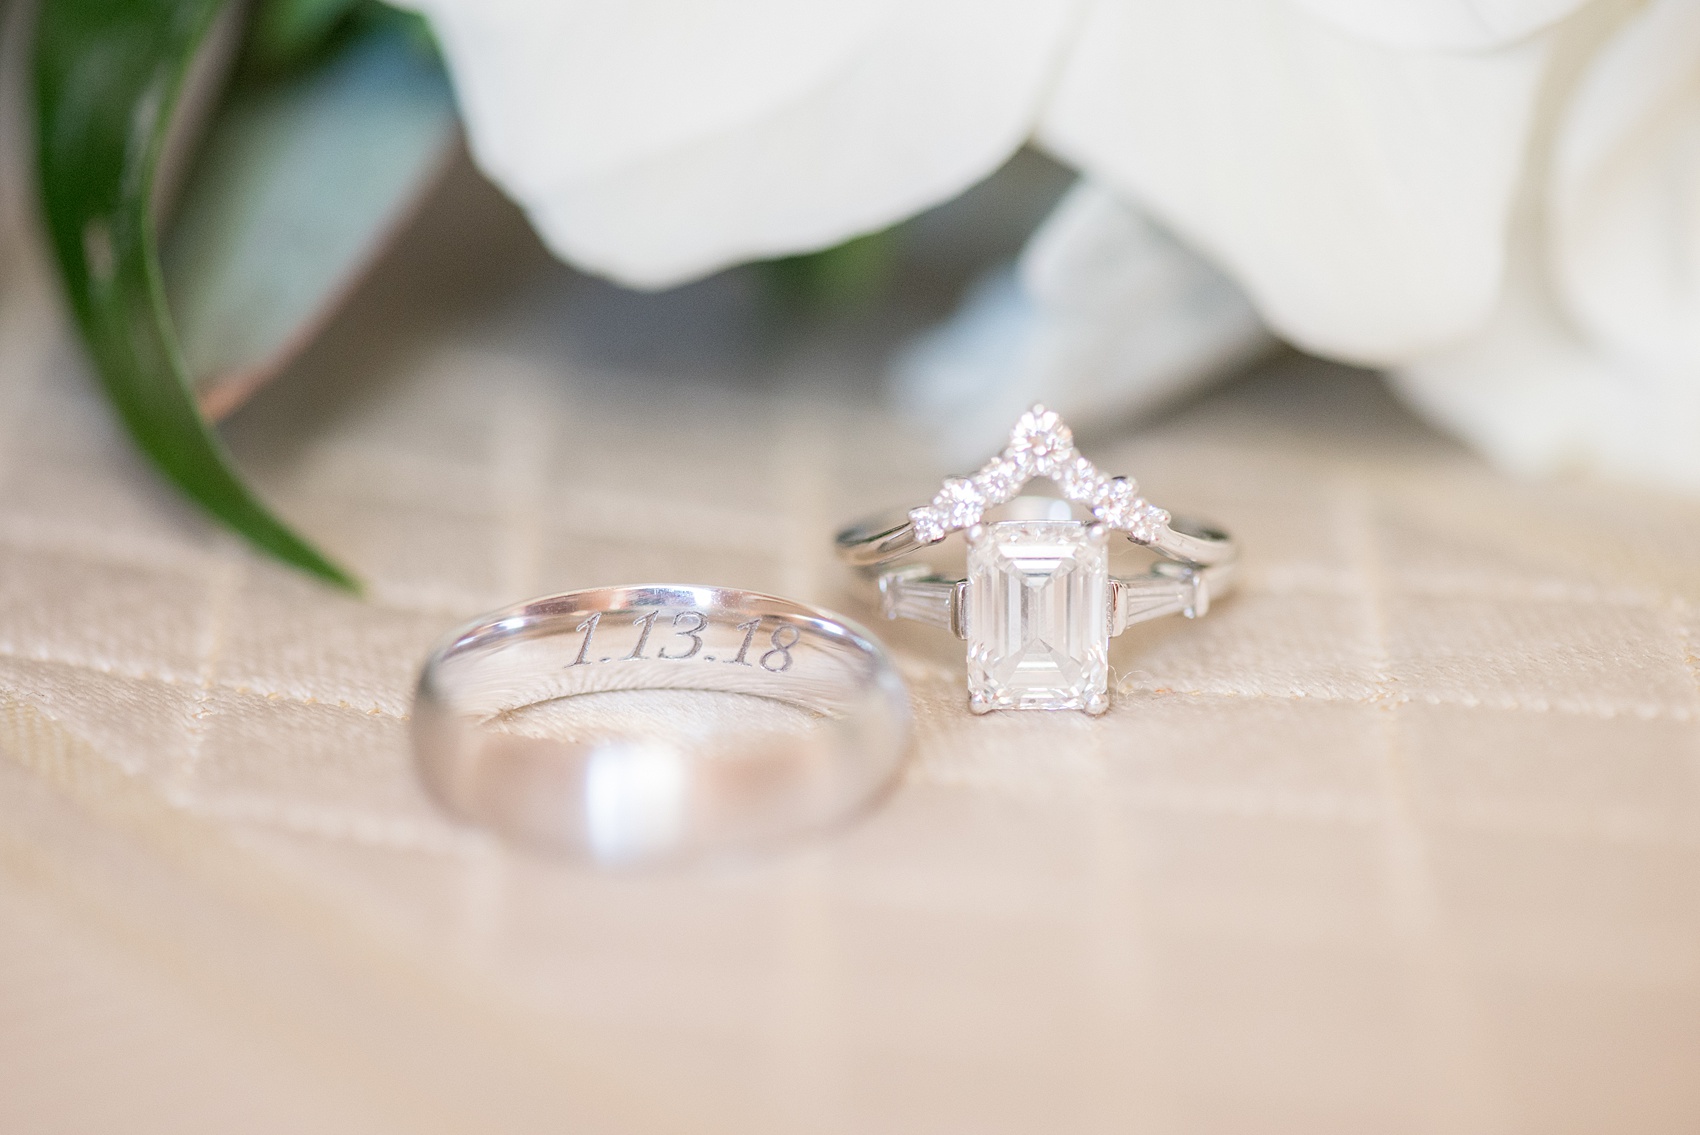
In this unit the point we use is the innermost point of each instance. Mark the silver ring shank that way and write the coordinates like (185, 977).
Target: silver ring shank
(662, 637)
(890, 536)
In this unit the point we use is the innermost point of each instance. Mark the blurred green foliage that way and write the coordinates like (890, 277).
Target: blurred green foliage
(109, 75)
(284, 37)
(285, 34)
(850, 275)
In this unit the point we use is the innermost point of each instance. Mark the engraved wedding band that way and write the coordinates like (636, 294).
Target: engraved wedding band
(1039, 605)
(809, 723)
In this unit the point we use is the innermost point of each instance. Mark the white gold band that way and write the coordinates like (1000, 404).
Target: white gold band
(892, 536)
(1041, 446)
(640, 794)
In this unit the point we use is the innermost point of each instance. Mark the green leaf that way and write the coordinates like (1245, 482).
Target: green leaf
(108, 77)
(297, 188)
(284, 33)
(848, 275)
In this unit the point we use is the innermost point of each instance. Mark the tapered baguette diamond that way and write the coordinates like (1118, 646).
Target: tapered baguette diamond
(1038, 618)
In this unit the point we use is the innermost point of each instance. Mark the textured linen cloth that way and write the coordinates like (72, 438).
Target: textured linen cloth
(1401, 838)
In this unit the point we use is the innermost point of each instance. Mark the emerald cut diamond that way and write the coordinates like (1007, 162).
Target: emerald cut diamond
(1038, 621)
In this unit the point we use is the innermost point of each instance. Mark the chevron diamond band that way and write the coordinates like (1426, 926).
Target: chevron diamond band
(1040, 446)
(1039, 605)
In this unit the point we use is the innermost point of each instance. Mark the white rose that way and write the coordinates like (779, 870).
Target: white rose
(1591, 357)
(1356, 166)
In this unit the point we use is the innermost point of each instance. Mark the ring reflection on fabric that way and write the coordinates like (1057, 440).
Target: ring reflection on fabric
(678, 720)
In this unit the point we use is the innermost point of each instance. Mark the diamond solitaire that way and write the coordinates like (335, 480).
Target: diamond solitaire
(1038, 621)
(1039, 606)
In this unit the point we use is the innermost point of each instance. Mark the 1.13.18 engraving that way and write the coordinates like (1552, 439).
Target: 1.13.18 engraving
(689, 627)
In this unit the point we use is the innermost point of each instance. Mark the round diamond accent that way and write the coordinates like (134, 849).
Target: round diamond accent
(1114, 501)
(1148, 524)
(929, 529)
(1119, 505)
(1041, 442)
(959, 503)
(1079, 480)
(1000, 480)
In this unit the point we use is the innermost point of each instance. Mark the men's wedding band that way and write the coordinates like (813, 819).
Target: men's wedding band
(656, 786)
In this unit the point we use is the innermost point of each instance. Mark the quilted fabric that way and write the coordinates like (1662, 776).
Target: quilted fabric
(1401, 838)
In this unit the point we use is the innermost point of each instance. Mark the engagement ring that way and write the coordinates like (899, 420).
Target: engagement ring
(1039, 605)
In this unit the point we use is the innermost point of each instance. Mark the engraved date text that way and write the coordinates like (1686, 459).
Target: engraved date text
(685, 639)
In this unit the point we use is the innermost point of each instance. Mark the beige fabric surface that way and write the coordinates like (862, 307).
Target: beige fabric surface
(1403, 838)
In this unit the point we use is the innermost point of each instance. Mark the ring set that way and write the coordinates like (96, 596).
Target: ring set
(1037, 607)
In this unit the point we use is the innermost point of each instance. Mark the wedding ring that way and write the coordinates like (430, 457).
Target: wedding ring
(678, 719)
(1038, 605)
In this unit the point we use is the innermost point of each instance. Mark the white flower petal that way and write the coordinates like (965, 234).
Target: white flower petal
(658, 140)
(1454, 25)
(1108, 316)
(1538, 398)
(1359, 194)
(1130, 316)
(1624, 212)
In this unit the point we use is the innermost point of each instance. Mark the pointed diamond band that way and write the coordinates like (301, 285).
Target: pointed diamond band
(1038, 605)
